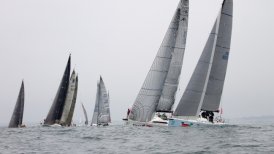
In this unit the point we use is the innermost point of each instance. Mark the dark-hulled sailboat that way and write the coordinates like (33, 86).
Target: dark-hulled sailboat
(17, 115)
(56, 110)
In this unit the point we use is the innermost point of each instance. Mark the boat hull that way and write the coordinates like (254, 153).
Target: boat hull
(176, 122)
(146, 124)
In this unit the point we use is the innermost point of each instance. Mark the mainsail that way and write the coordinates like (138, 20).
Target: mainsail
(205, 87)
(70, 100)
(160, 85)
(17, 115)
(101, 113)
(85, 113)
(56, 109)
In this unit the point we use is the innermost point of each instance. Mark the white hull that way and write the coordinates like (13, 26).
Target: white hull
(152, 123)
(180, 122)
(53, 125)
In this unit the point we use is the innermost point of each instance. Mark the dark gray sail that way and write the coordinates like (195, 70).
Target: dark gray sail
(218, 71)
(55, 112)
(85, 113)
(156, 79)
(70, 100)
(172, 80)
(206, 84)
(17, 115)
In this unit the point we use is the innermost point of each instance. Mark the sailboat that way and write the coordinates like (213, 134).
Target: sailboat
(101, 114)
(17, 115)
(85, 113)
(62, 109)
(70, 101)
(204, 90)
(157, 94)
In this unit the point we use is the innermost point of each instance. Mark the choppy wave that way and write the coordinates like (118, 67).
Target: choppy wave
(245, 138)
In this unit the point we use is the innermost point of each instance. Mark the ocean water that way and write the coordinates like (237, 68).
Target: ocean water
(240, 138)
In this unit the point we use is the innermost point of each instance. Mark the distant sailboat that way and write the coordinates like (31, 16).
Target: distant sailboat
(56, 110)
(70, 101)
(85, 113)
(160, 86)
(101, 114)
(17, 116)
(204, 90)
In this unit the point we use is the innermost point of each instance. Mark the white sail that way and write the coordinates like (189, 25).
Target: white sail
(152, 89)
(96, 107)
(101, 113)
(206, 84)
(104, 114)
(70, 99)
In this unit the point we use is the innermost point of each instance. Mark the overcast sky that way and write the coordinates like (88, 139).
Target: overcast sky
(119, 39)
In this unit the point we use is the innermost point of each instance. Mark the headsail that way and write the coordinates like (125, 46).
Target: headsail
(160, 75)
(96, 107)
(85, 113)
(71, 112)
(205, 87)
(70, 100)
(56, 109)
(17, 115)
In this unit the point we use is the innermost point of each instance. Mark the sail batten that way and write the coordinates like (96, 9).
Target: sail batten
(17, 115)
(147, 100)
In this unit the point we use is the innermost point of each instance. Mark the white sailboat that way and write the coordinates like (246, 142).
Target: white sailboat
(101, 114)
(204, 90)
(157, 94)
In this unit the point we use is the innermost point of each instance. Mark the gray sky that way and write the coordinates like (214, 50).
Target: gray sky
(119, 39)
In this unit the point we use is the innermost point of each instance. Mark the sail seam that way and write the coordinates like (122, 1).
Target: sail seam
(227, 14)
(222, 47)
